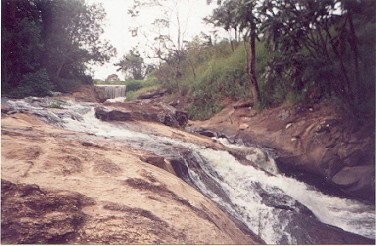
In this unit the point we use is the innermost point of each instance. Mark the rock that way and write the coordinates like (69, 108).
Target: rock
(106, 114)
(132, 111)
(158, 161)
(243, 104)
(153, 94)
(319, 141)
(330, 164)
(243, 126)
(356, 158)
(201, 131)
(101, 94)
(34, 216)
(283, 114)
(114, 199)
(5, 109)
(357, 181)
(55, 93)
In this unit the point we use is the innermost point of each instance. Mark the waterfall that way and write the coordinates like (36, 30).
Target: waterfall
(111, 92)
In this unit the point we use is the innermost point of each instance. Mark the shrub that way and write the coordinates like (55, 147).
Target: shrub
(33, 84)
(134, 85)
(66, 85)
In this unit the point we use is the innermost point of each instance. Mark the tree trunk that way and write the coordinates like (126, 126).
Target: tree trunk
(354, 47)
(59, 68)
(252, 66)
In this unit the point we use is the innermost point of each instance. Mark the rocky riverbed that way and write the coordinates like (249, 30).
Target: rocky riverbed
(120, 171)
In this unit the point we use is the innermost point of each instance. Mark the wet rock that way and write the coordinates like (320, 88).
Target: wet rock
(133, 111)
(300, 222)
(331, 163)
(202, 131)
(159, 161)
(5, 108)
(357, 181)
(315, 232)
(279, 200)
(106, 114)
(356, 158)
(318, 142)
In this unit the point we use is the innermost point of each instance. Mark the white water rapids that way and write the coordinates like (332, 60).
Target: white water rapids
(267, 204)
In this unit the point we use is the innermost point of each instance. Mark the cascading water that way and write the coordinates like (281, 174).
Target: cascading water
(113, 93)
(278, 209)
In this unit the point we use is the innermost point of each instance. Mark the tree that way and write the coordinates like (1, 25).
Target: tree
(223, 17)
(71, 34)
(317, 44)
(166, 40)
(112, 77)
(21, 44)
(241, 14)
(50, 41)
(132, 65)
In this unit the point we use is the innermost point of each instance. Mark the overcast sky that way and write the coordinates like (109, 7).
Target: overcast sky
(118, 22)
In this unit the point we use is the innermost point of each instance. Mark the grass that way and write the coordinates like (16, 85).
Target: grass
(132, 95)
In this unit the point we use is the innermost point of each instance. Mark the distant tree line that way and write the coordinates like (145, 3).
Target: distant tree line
(48, 44)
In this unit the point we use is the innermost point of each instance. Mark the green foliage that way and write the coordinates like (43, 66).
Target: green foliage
(221, 74)
(132, 95)
(66, 85)
(133, 67)
(134, 85)
(319, 54)
(33, 84)
(59, 37)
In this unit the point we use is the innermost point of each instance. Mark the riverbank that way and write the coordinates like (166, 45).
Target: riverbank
(310, 140)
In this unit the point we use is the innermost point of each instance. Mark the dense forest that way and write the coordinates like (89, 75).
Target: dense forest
(47, 45)
(294, 51)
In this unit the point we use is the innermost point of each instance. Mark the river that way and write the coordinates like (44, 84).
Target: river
(278, 209)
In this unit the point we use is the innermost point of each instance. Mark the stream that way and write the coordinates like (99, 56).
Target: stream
(276, 208)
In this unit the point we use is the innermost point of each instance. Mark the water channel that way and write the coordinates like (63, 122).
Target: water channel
(279, 209)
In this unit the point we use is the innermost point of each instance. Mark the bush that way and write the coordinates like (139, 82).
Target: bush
(222, 75)
(33, 84)
(134, 85)
(66, 85)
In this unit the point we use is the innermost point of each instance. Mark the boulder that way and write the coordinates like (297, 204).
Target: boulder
(101, 94)
(357, 181)
(133, 111)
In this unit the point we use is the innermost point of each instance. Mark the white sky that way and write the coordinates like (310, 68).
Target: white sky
(118, 22)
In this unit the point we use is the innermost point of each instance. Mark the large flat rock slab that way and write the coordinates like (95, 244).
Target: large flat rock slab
(141, 111)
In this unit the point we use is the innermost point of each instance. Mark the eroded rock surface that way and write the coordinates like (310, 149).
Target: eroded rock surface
(30, 215)
(68, 187)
